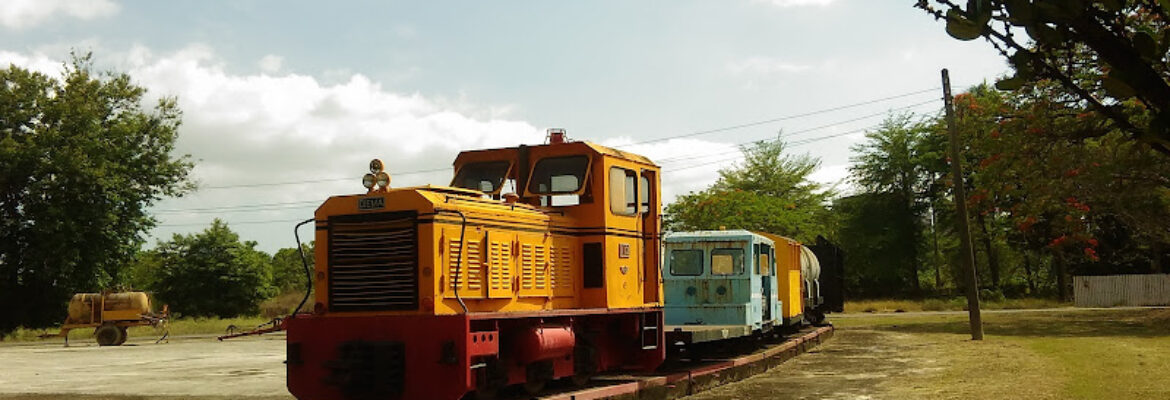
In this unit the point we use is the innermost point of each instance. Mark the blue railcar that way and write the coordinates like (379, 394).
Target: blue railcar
(719, 285)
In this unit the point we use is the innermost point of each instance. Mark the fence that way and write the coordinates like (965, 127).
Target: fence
(1121, 290)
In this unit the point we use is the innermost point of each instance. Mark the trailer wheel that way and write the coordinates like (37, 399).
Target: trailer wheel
(122, 336)
(108, 335)
(816, 317)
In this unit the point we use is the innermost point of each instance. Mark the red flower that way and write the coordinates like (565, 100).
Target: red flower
(1092, 242)
(1057, 241)
(1092, 254)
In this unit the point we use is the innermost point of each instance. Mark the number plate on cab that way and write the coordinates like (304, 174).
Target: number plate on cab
(371, 203)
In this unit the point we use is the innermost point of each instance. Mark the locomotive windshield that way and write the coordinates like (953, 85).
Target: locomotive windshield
(686, 262)
(485, 176)
(726, 261)
(558, 175)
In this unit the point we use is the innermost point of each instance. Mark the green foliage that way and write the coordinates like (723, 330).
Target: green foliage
(1053, 189)
(80, 161)
(1100, 198)
(213, 274)
(894, 167)
(894, 158)
(878, 233)
(1099, 52)
(288, 272)
(769, 192)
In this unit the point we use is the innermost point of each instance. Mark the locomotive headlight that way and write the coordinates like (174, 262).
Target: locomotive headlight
(382, 179)
(368, 181)
(376, 166)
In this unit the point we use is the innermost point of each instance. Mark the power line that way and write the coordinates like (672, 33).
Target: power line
(785, 118)
(238, 210)
(302, 202)
(785, 135)
(728, 128)
(793, 144)
(230, 223)
(318, 180)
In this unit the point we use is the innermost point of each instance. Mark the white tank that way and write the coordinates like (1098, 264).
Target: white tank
(810, 268)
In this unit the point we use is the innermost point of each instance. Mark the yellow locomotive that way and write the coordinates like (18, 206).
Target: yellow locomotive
(537, 263)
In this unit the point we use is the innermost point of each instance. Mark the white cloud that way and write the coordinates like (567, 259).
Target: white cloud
(271, 63)
(687, 164)
(795, 3)
(832, 176)
(248, 129)
(20, 14)
(35, 62)
(764, 66)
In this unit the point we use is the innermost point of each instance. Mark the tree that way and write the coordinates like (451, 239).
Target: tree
(769, 192)
(1097, 204)
(891, 161)
(877, 231)
(81, 159)
(1103, 52)
(213, 274)
(288, 272)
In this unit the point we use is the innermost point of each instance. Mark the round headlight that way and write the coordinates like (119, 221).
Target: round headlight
(368, 181)
(383, 180)
(376, 166)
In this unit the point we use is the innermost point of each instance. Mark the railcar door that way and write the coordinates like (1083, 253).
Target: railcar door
(764, 266)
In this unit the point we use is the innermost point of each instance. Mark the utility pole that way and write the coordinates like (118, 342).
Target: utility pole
(965, 249)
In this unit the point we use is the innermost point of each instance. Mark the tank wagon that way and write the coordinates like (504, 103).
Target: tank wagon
(810, 274)
(110, 314)
(719, 285)
(536, 263)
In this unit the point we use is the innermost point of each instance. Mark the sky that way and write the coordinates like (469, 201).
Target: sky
(285, 102)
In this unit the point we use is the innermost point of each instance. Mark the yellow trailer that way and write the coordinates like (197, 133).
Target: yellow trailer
(110, 314)
(790, 282)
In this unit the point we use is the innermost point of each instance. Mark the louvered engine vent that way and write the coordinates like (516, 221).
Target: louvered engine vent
(373, 262)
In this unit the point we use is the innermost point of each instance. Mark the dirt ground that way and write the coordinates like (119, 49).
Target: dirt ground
(851, 366)
(1059, 354)
(200, 368)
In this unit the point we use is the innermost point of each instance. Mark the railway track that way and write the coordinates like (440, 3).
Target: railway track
(691, 377)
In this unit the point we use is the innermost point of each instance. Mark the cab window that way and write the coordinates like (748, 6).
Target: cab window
(487, 177)
(644, 193)
(558, 175)
(764, 259)
(686, 262)
(726, 262)
(622, 191)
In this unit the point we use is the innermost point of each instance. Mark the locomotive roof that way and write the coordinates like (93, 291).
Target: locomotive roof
(599, 149)
(698, 236)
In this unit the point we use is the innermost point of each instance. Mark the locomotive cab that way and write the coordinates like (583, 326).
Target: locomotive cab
(719, 285)
(536, 263)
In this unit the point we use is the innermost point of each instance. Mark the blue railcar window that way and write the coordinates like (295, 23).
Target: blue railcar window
(726, 262)
(686, 262)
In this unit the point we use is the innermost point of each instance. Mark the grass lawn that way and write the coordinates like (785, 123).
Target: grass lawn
(280, 305)
(177, 327)
(954, 304)
(1112, 354)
